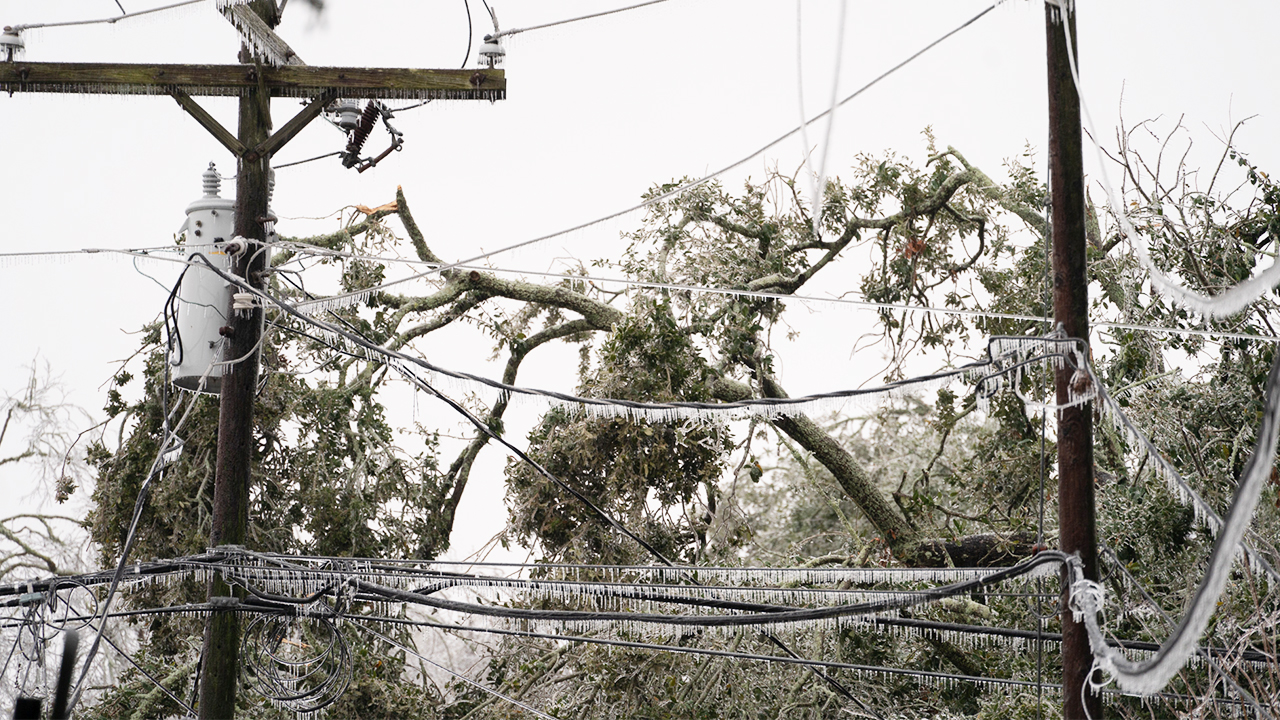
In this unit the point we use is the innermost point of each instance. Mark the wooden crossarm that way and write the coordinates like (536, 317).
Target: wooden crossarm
(301, 81)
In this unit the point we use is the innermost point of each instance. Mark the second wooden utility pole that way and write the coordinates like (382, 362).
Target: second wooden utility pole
(1077, 526)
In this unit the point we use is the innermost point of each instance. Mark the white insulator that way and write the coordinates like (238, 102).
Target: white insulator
(212, 181)
(348, 112)
(491, 52)
(10, 44)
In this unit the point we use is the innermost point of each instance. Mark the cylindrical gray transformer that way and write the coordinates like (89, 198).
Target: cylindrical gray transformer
(204, 299)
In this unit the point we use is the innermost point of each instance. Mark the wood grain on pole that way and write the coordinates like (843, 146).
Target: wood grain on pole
(1076, 517)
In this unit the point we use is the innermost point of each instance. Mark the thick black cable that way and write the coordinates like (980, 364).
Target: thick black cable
(470, 32)
(431, 581)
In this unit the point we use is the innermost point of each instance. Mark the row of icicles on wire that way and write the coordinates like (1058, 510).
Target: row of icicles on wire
(298, 658)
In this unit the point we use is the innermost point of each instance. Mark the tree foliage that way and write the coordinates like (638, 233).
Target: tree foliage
(924, 480)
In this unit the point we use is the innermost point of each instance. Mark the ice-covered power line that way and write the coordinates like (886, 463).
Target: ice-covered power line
(514, 31)
(1206, 652)
(161, 254)
(923, 675)
(742, 618)
(117, 18)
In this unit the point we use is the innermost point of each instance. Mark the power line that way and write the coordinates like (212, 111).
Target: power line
(753, 618)
(125, 16)
(351, 298)
(514, 31)
(762, 295)
(737, 655)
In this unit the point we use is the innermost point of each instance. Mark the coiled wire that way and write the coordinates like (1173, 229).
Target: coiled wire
(301, 664)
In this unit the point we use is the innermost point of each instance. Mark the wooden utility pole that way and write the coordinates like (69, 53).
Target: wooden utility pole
(253, 146)
(220, 660)
(1077, 526)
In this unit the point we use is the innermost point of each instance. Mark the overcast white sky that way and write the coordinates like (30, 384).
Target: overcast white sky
(597, 112)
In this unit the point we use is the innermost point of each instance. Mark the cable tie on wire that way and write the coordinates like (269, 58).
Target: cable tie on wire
(1086, 597)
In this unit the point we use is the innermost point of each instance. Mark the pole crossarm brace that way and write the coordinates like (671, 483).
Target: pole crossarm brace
(299, 81)
(268, 147)
(208, 122)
